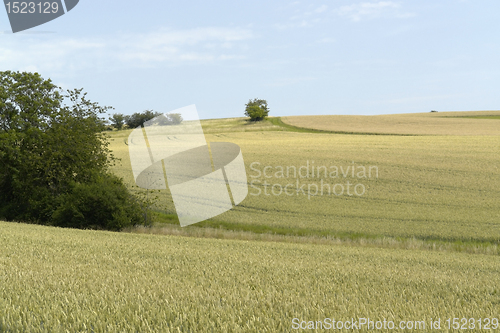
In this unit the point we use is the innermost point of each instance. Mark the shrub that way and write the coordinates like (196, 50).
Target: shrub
(102, 204)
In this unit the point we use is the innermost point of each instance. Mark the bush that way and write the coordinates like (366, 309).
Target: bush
(103, 204)
(54, 158)
(257, 109)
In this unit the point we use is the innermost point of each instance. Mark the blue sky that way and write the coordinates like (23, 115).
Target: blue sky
(304, 57)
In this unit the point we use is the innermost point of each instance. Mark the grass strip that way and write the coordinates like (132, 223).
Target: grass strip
(168, 224)
(475, 117)
(290, 128)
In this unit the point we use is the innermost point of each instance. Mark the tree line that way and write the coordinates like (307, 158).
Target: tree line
(119, 120)
(257, 109)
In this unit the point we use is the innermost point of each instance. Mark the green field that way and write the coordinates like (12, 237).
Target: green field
(421, 243)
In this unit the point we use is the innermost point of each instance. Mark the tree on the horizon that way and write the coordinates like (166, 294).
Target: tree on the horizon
(139, 118)
(256, 109)
(117, 120)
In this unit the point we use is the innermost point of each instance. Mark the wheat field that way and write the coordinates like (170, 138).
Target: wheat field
(288, 262)
(429, 187)
(63, 280)
(474, 123)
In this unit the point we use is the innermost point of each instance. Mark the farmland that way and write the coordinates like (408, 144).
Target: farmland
(443, 188)
(58, 280)
(471, 123)
(421, 243)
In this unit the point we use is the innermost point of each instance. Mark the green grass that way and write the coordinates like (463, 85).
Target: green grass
(224, 125)
(278, 122)
(168, 224)
(59, 280)
(287, 127)
(482, 117)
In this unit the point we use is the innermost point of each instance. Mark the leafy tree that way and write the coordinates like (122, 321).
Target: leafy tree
(51, 142)
(168, 119)
(256, 109)
(138, 118)
(117, 120)
(175, 118)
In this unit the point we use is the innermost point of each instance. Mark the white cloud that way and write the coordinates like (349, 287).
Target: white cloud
(321, 9)
(369, 10)
(200, 44)
(62, 54)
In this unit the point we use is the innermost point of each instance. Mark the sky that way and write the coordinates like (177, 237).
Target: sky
(303, 57)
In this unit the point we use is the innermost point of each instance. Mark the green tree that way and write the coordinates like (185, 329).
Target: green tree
(117, 120)
(139, 118)
(51, 142)
(167, 119)
(256, 109)
(175, 118)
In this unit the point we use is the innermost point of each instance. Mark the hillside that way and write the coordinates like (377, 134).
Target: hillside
(436, 123)
(437, 188)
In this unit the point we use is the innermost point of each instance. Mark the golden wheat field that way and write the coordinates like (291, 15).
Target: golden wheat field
(420, 245)
(63, 280)
(429, 187)
(471, 123)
